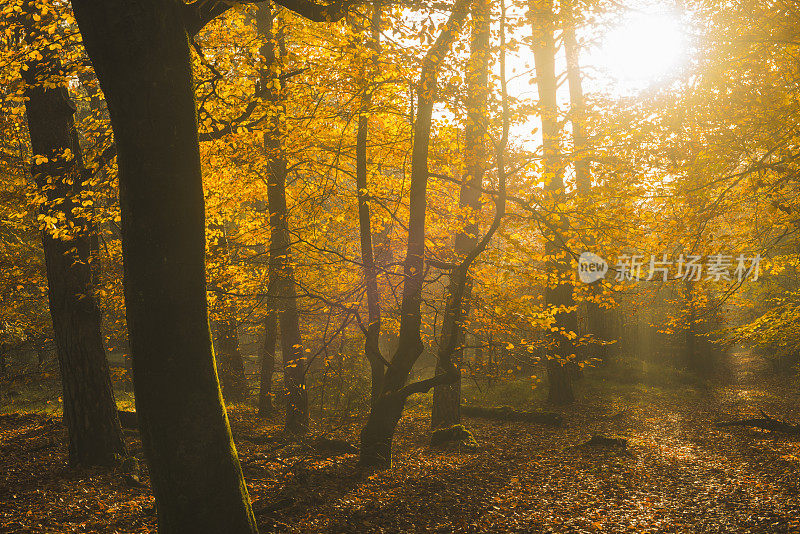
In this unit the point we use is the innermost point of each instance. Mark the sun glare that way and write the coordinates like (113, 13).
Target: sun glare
(643, 48)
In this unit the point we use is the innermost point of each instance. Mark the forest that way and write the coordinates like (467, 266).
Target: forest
(399, 266)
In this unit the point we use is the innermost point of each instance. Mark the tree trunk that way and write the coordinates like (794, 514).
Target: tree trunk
(372, 337)
(231, 365)
(96, 105)
(233, 376)
(446, 410)
(265, 406)
(558, 293)
(377, 434)
(694, 359)
(3, 360)
(90, 411)
(141, 54)
(583, 178)
(40, 353)
(559, 383)
(281, 269)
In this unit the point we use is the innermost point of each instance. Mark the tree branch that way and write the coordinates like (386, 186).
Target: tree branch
(199, 13)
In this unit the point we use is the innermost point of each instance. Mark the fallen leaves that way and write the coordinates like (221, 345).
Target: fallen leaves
(678, 475)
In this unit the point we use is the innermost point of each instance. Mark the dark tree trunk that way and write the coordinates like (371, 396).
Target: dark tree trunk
(446, 410)
(90, 412)
(558, 293)
(141, 54)
(281, 270)
(378, 432)
(230, 364)
(265, 406)
(233, 376)
(559, 383)
(96, 105)
(694, 359)
(385, 412)
(3, 360)
(40, 353)
(372, 338)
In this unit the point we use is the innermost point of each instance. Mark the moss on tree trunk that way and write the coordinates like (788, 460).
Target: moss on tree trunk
(140, 52)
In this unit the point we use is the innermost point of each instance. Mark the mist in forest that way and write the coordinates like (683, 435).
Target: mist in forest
(373, 266)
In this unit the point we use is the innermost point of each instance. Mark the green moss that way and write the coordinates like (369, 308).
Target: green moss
(456, 434)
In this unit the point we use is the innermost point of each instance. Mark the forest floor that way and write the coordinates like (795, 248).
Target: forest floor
(679, 472)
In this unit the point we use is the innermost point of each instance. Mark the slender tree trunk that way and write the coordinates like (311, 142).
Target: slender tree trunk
(3, 360)
(558, 293)
(265, 405)
(90, 412)
(281, 269)
(378, 432)
(691, 358)
(372, 338)
(231, 365)
(323, 381)
(446, 410)
(40, 353)
(96, 105)
(141, 54)
(583, 178)
(233, 376)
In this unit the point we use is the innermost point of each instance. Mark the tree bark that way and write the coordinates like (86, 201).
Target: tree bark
(595, 323)
(446, 410)
(90, 411)
(558, 292)
(40, 352)
(231, 365)
(281, 269)
(372, 337)
(141, 55)
(265, 405)
(233, 376)
(378, 432)
(3, 359)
